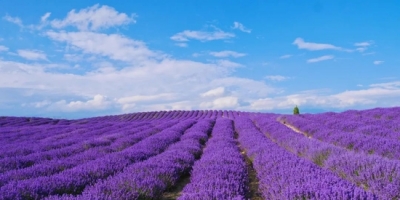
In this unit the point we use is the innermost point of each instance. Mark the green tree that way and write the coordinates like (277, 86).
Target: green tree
(296, 110)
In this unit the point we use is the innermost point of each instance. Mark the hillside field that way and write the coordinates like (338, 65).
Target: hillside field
(203, 155)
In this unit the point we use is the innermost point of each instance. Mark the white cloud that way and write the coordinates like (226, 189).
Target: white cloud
(161, 87)
(237, 25)
(3, 48)
(227, 54)
(378, 62)
(94, 18)
(286, 102)
(142, 79)
(73, 57)
(142, 98)
(41, 104)
(285, 56)
(372, 95)
(225, 102)
(122, 74)
(42, 24)
(229, 102)
(45, 17)
(99, 102)
(244, 88)
(301, 44)
(347, 99)
(389, 85)
(18, 21)
(375, 95)
(361, 49)
(277, 78)
(181, 44)
(362, 46)
(14, 20)
(19, 70)
(228, 63)
(203, 36)
(114, 46)
(32, 54)
(319, 59)
(139, 90)
(180, 105)
(133, 88)
(196, 55)
(219, 91)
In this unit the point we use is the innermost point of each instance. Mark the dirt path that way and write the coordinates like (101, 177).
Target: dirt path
(295, 129)
(253, 194)
(175, 191)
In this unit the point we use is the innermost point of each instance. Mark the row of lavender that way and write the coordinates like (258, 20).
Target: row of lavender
(52, 172)
(48, 142)
(75, 179)
(104, 158)
(92, 150)
(377, 122)
(174, 115)
(150, 178)
(351, 134)
(370, 115)
(284, 175)
(221, 173)
(35, 152)
(47, 137)
(9, 123)
(20, 141)
(376, 174)
(50, 135)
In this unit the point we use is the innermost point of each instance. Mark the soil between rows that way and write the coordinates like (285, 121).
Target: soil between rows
(175, 191)
(253, 193)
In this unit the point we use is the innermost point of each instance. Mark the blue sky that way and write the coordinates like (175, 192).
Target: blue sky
(71, 59)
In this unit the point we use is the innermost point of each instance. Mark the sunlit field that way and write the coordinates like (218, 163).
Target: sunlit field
(203, 155)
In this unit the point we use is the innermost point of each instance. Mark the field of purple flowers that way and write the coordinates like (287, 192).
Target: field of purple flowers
(203, 155)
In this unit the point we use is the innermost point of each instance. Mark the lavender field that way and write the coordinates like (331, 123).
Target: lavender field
(201, 155)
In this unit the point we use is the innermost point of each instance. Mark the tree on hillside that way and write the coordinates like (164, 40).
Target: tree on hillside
(296, 110)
